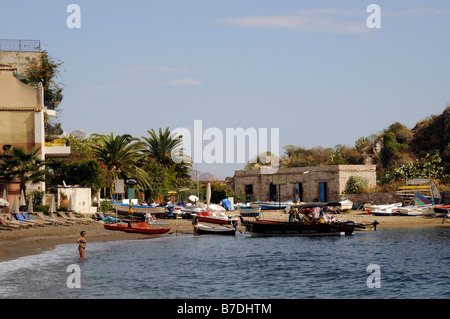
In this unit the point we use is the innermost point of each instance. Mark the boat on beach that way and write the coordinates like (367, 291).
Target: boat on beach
(308, 226)
(382, 210)
(157, 211)
(273, 205)
(221, 230)
(209, 217)
(249, 212)
(142, 228)
(115, 226)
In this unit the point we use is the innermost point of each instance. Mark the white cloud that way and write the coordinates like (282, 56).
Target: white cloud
(183, 82)
(415, 12)
(313, 20)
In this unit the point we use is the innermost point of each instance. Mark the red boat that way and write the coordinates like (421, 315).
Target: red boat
(209, 217)
(143, 228)
(115, 226)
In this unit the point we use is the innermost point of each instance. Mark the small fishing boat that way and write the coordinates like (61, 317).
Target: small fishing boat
(366, 225)
(273, 205)
(249, 212)
(115, 226)
(209, 217)
(308, 226)
(143, 228)
(157, 211)
(214, 230)
(382, 210)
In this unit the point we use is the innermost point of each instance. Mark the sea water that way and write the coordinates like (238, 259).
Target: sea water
(411, 263)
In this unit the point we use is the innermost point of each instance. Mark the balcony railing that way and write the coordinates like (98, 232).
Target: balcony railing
(20, 45)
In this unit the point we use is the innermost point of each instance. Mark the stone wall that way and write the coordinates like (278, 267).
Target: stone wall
(20, 60)
(308, 178)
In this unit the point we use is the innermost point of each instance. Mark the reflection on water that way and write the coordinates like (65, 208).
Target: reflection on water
(413, 264)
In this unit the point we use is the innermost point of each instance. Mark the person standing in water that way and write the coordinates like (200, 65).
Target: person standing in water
(82, 244)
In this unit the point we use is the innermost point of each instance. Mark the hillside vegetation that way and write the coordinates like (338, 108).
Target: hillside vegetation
(399, 152)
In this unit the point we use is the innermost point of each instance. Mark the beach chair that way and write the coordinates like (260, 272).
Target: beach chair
(85, 219)
(53, 215)
(21, 218)
(43, 222)
(7, 225)
(43, 217)
(70, 219)
(13, 221)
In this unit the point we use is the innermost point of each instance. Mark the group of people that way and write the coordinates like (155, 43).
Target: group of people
(314, 215)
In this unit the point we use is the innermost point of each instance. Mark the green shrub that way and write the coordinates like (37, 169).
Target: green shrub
(356, 184)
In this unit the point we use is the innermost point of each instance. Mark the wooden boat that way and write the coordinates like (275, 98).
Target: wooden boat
(158, 212)
(382, 210)
(249, 212)
(366, 225)
(309, 228)
(202, 229)
(278, 228)
(143, 228)
(209, 217)
(115, 226)
(273, 205)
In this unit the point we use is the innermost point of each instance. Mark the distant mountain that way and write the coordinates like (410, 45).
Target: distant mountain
(201, 176)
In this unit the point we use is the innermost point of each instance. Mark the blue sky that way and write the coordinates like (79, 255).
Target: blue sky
(313, 69)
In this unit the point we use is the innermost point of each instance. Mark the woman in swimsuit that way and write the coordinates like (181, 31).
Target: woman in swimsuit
(82, 244)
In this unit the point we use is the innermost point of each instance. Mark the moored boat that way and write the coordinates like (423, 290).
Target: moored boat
(307, 227)
(115, 226)
(214, 230)
(209, 217)
(157, 211)
(366, 225)
(143, 228)
(249, 212)
(273, 205)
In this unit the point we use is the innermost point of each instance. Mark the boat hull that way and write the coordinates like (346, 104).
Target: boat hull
(215, 230)
(276, 228)
(124, 208)
(115, 226)
(142, 228)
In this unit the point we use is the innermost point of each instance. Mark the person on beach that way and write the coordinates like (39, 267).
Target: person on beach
(82, 244)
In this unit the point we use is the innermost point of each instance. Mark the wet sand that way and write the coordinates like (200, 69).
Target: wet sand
(34, 240)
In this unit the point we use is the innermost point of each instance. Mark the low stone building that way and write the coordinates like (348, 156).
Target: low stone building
(306, 184)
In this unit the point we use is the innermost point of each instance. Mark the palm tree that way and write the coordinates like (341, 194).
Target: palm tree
(160, 147)
(121, 154)
(18, 165)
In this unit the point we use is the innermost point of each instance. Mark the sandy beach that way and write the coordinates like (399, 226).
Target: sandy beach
(34, 240)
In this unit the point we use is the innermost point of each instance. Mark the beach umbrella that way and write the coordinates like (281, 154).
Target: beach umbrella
(4, 202)
(52, 208)
(22, 201)
(15, 206)
(30, 204)
(208, 195)
(70, 207)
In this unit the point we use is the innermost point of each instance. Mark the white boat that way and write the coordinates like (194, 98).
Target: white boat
(382, 210)
(346, 204)
(413, 210)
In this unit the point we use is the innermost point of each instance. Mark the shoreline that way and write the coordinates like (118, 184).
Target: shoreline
(23, 242)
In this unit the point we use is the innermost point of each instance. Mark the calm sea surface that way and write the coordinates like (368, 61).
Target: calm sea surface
(413, 263)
